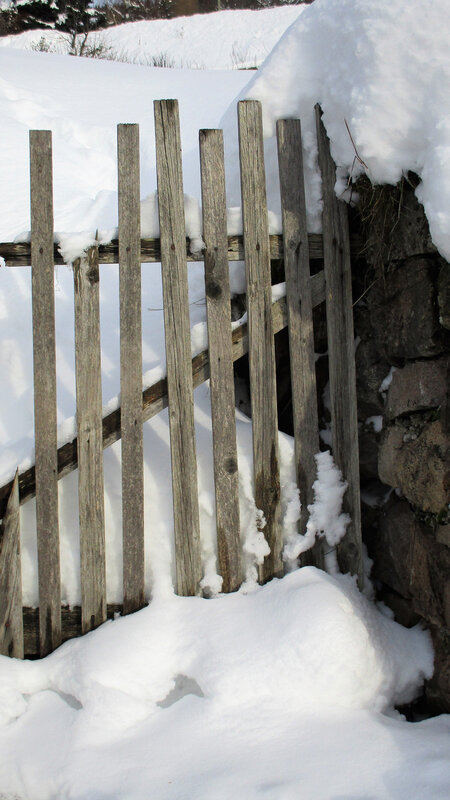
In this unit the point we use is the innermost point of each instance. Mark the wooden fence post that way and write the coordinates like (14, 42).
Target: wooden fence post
(131, 368)
(90, 440)
(300, 318)
(218, 309)
(261, 341)
(44, 362)
(11, 618)
(341, 350)
(178, 346)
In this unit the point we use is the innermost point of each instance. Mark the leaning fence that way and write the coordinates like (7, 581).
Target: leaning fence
(33, 631)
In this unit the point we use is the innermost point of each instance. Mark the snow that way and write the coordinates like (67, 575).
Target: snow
(325, 517)
(263, 695)
(221, 40)
(274, 692)
(383, 69)
(376, 422)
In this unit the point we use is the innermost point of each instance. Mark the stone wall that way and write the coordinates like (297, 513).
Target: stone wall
(403, 376)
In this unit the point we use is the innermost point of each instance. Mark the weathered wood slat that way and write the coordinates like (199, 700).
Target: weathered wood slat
(154, 398)
(341, 349)
(44, 368)
(18, 254)
(218, 309)
(300, 317)
(178, 347)
(11, 620)
(131, 368)
(71, 625)
(89, 440)
(261, 341)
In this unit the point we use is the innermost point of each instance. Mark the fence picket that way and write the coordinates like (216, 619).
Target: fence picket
(18, 627)
(300, 318)
(154, 398)
(131, 368)
(90, 449)
(44, 368)
(261, 341)
(11, 617)
(341, 350)
(178, 346)
(218, 309)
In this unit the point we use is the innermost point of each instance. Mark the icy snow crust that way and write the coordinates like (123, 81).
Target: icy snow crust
(274, 694)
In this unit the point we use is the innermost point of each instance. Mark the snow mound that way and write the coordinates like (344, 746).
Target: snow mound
(328, 646)
(382, 66)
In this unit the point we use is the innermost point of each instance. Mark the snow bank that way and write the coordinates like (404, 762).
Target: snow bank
(382, 66)
(221, 40)
(328, 645)
(200, 681)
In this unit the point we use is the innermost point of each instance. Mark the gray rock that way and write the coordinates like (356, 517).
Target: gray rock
(371, 369)
(443, 534)
(404, 312)
(444, 295)
(420, 385)
(438, 689)
(417, 464)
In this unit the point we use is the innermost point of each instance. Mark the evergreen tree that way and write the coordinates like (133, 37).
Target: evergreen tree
(70, 16)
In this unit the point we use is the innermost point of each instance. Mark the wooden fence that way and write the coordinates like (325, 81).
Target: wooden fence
(43, 630)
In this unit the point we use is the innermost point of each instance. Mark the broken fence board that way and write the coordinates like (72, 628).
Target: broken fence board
(44, 370)
(218, 309)
(261, 340)
(11, 619)
(89, 440)
(178, 347)
(131, 368)
(341, 350)
(300, 317)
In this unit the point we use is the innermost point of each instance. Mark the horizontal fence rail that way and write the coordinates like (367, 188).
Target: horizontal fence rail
(18, 254)
(155, 398)
(38, 631)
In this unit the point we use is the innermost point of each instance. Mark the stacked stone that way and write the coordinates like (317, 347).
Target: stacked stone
(403, 322)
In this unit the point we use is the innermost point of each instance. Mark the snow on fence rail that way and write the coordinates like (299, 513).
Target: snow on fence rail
(43, 630)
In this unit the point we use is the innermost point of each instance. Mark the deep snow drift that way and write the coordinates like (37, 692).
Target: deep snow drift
(382, 66)
(275, 694)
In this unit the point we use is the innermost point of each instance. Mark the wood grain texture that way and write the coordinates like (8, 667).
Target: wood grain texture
(71, 625)
(261, 341)
(341, 350)
(131, 368)
(44, 369)
(11, 620)
(300, 319)
(218, 310)
(18, 254)
(89, 440)
(154, 398)
(178, 347)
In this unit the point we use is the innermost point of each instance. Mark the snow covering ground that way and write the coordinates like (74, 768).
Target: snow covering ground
(276, 692)
(223, 40)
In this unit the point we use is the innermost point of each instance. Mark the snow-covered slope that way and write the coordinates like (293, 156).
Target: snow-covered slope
(222, 40)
